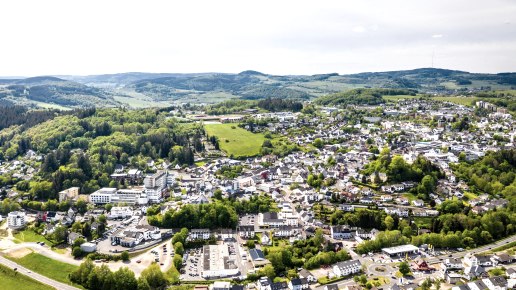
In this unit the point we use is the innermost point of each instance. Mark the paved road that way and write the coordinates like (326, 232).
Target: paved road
(36, 276)
(499, 243)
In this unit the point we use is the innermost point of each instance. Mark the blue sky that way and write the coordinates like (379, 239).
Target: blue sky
(277, 37)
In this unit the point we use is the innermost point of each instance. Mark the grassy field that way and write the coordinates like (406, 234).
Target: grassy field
(30, 236)
(47, 267)
(235, 140)
(411, 197)
(466, 101)
(12, 280)
(396, 98)
(423, 222)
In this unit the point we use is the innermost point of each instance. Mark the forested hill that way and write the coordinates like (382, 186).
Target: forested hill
(163, 89)
(52, 90)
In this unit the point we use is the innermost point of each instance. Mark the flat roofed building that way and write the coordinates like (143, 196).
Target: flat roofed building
(401, 250)
(102, 196)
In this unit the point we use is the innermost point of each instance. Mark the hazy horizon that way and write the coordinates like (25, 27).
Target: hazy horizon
(215, 72)
(281, 38)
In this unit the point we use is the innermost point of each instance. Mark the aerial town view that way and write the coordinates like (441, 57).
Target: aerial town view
(287, 145)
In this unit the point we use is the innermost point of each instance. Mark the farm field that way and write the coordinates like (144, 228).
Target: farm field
(12, 280)
(236, 141)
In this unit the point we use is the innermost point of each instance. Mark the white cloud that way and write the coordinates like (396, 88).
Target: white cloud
(359, 29)
(437, 36)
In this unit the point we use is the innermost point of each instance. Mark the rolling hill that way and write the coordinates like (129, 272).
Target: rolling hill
(163, 89)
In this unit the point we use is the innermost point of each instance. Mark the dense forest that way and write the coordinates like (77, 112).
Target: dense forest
(18, 115)
(494, 174)
(82, 149)
(361, 97)
(219, 214)
(269, 105)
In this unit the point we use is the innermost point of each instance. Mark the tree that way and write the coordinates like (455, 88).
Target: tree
(143, 284)
(154, 277)
(486, 237)
(268, 271)
(318, 142)
(404, 268)
(178, 261)
(124, 256)
(125, 279)
(78, 242)
(179, 249)
(217, 194)
(76, 252)
(81, 275)
(389, 222)
(59, 235)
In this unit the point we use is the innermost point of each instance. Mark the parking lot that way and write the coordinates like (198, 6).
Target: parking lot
(192, 265)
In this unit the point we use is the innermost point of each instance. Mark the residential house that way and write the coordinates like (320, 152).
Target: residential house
(346, 268)
(341, 232)
(73, 236)
(279, 286)
(502, 258)
(298, 284)
(472, 272)
(283, 231)
(478, 260)
(246, 231)
(496, 283)
(305, 274)
(477, 285)
(452, 278)
(199, 234)
(366, 234)
(452, 264)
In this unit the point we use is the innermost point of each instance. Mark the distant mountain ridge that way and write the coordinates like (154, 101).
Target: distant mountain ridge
(159, 89)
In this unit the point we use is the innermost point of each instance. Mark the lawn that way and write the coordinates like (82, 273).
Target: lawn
(396, 98)
(12, 280)
(466, 101)
(411, 197)
(423, 222)
(236, 141)
(47, 267)
(30, 236)
(200, 163)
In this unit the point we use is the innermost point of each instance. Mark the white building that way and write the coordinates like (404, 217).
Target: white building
(345, 268)
(199, 234)
(88, 247)
(130, 196)
(155, 186)
(103, 195)
(16, 220)
(112, 195)
(120, 212)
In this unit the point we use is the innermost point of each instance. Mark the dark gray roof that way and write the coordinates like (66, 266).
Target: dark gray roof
(296, 281)
(279, 286)
(270, 216)
(256, 254)
(498, 281)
